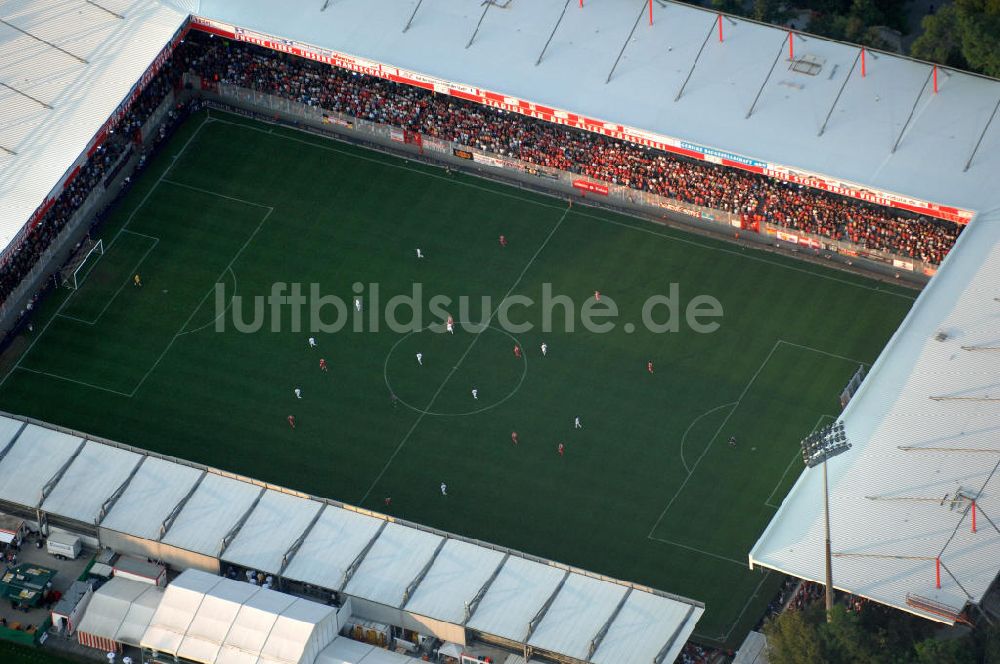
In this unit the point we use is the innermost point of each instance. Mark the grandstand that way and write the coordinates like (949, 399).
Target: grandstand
(376, 567)
(864, 159)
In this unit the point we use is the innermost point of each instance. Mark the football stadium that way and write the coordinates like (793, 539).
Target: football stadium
(381, 331)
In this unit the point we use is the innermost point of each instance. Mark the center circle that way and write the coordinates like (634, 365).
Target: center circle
(465, 326)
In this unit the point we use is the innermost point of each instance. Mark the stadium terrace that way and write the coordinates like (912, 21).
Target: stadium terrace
(838, 156)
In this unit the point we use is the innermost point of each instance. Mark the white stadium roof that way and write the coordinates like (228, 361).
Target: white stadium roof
(95, 474)
(65, 66)
(458, 572)
(515, 597)
(276, 521)
(892, 510)
(151, 495)
(392, 563)
(585, 601)
(324, 544)
(331, 546)
(34, 458)
(209, 515)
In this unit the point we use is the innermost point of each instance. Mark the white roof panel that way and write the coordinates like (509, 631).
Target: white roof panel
(392, 563)
(332, 545)
(155, 490)
(77, 86)
(343, 650)
(206, 618)
(212, 621)
(277, 521)
(93, 477)
(207, 517)
(8, 429)
(120, 610)
(37, 455)
(645, 624)
(177, 609)
(514, 597)
(893, 495)
(580, 609)
(300, 633)
(252, 624)
(458, 573)
(784, 128)
(139, 615)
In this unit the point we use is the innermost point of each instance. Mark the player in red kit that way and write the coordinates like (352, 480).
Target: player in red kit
(597, 295)
(322, 365)
(561, 449)
(517, 351)
(388, 501)
(513, 437)
(291, 421)
(649, 366)
(503, 241)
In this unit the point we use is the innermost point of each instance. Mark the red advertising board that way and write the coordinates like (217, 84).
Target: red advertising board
(587, 186)
(550, 114)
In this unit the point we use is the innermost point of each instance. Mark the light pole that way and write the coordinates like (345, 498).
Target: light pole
(817, 447)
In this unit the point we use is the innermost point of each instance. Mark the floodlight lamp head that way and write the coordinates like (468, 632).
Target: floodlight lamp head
(824, 444)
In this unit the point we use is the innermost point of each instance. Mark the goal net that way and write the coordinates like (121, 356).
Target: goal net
(81, 263)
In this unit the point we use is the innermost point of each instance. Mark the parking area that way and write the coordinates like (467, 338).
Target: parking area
(32, 560)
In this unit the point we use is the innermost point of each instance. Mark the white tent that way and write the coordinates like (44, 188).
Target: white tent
(119, 612)
(214, 620)
(346, 651)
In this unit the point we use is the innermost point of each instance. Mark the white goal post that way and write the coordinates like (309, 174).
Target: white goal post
(73, 274)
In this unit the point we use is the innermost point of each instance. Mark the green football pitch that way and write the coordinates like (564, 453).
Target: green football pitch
(649, 490)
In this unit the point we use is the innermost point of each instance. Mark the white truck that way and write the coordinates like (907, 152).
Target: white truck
(63, 545)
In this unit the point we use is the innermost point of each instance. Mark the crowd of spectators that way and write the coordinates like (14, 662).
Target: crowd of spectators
(752, 196)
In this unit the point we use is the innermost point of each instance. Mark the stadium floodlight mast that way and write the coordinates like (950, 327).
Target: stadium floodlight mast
(817, 447)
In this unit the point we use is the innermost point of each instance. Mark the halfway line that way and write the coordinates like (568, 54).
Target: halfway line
(461, 359)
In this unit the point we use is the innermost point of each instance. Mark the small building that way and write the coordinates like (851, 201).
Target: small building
(12, 530)
(68, 611)
(140, 570)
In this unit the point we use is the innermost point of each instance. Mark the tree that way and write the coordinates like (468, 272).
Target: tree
(979, 27)
(963, 34)
(941, 41)
(952, 651)
(792, 639)
(730, 6)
